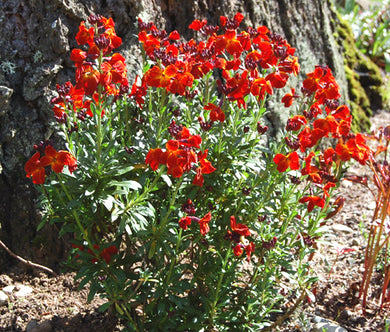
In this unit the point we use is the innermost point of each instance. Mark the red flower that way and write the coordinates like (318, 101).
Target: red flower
(358, 149)
(229, 42)
(260, 87)
(283, 162)
(240, 229)
(327, 156)
(155, 158)
(312, 202)
(205, 168)
(185, 222)
(88, 79)
(138, 92)
(203, 222)
(197, 25)
(85, 36)
(309, 137)
(216, 113)
(311, 170)
(237, 250)
(343, 152)
(295, 123)
(327, 125)
(108, 252)
(249, 249)
(327, 187)
(180, 155)
(322, 82)
(35, 169)
(57, 160)
(278, 79)
(289, 98)
(158, 77)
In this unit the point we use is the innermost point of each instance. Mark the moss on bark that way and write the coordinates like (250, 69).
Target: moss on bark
(364, 79)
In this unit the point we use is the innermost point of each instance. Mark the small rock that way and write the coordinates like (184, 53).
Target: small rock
(23, 291)
(31, 325)
(371, 205)
(355, 243)
(326, 325)
(44, 327)
(8, 289)
(3, 298)
(342, 228)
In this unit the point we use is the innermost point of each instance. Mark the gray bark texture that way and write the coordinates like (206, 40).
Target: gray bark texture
(35, 43)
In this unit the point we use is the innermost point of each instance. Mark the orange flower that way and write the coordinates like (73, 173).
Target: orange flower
(203, 222)
(158, 77)
(358, 149)
(312, 202)
(57, 160)
(240, 229)
(216, 113)
(289, 98)
(283, 162)
(343, 152)
(260, 87)
(88, 79)
(327, 125)
(35, 169)
(156, 157)
(295, 123)
(229, 42)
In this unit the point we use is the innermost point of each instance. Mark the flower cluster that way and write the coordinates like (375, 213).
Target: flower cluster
(98, 71)
(46, 156)
(180, 156)
(96, 66)
(243, 58)
(323, 118)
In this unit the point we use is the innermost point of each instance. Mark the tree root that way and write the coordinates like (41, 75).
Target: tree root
(27, 262)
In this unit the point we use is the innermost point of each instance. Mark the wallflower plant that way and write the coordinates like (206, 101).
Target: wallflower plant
(184, 215)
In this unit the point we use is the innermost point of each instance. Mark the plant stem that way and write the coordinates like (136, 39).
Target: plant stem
(218, 288)
(141, 197)
(174, 260)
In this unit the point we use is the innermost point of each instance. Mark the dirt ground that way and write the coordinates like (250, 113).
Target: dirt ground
(55, 304)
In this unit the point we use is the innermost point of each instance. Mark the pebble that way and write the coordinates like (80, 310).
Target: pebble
(355, 243)
(326, 325)
(3, 298)
(342, 228)
(8, 289)
(23, 291)
(34, 327)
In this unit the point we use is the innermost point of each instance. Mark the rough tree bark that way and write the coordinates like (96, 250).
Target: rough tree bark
(36, 37)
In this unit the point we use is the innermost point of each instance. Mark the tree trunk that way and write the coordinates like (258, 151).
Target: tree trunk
(37, 37)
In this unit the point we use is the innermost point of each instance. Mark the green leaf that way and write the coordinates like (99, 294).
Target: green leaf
(167, 180)
(130, 184)
(104, 306)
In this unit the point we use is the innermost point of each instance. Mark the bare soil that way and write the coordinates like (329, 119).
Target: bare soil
(55, 304)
